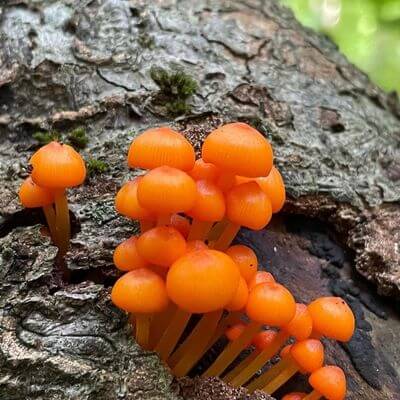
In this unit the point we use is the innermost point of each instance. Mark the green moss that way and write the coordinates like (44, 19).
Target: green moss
(77, 138)
(44, 138)
(175, 89)
(96, 167)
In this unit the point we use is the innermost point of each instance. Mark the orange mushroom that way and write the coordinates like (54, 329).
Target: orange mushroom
(33, 196)
(305, 356)
(332, 318)
(208, 208)
(161, 245)
(238, 148)
(240, 298)
(245, 259)
(161, 146)
(328, 382)
(58, 166)
(246, 205)
(126, 256)
(194, 285)
(127, 204)
(299, 326)
(143, 293)
(294, 396)
(268, 303)
(261, 277)
(165, 191)
(204, 171)
(272, 185)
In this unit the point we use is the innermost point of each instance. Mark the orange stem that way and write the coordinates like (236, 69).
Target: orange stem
(199, 230)
(314, 395)
(227, 236)
(62, 221)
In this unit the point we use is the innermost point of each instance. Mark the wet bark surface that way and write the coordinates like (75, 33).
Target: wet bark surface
(66, 64)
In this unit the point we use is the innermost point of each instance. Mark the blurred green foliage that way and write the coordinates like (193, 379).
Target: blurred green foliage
(366, 31)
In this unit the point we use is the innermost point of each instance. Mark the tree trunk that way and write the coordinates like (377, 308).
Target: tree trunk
(68, 63)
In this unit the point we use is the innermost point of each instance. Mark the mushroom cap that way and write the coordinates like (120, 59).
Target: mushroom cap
(308, 354)
(193, 245)
(32, 195)
(140, 291)
(332, 318)
(166, 190)
(57, 166)
(270, 304)
(210, 202)
(127, 204)
(330, 382)
(261, 277)
(301, 324)
(263, 339)
(247, 205)
(126, 256)
(239, 300)
(203, 170)
(161, 245)
(285, 351)
(161, 146)
(203, 281)
(240, 149)
(180, 223)
(226, 181)
(235, 331)
(294, 396)
(272, 185)
(245, 259)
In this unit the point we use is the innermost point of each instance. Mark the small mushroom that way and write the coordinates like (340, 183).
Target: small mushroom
(161, 147)
(141, 292)
(245, 259)
(58, 166)
(204, 171)
(328, 382)
(126, 256)
(261, 277)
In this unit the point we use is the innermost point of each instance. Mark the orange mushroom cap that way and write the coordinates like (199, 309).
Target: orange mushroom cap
(127, 204)
(140, 291)
(261, 277)
(180, 223)
(294, 396)
(204, 171)
(285, 351)
(161, 146)
(263, 339)
(32, 195)
(193, 245)
(166, 190)
(247, 205)
(301, 324)
(271, 304)
(330, 382)
(245, 259)
(126, 256)
(57, 166)
(161, 245)
(332, 318)
(308, 354)
(203, 281)
(240, 149)
(210, 203)
(240, 298)
(235, 331)
(226, 181)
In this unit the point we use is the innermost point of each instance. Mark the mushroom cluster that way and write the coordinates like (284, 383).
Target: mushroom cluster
(183, 263)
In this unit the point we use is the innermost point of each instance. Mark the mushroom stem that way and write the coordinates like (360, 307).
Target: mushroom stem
(160, 323)
(243, 364)
(246, 373)
(227, 236)
(172, 334)
(199, 339)
(199, 229)
(268, 376)
(232, 350)
(50, 215)
(281, 378)
(62, 220)
(145, 225)
(164, 219)
(217, 229)
(143, 322)
(314, 395)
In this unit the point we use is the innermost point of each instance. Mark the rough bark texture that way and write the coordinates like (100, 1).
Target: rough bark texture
(70, 63)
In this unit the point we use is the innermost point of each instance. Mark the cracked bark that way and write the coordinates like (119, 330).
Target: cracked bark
(67, 63)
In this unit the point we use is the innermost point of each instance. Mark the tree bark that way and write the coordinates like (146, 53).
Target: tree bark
(68, 63)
